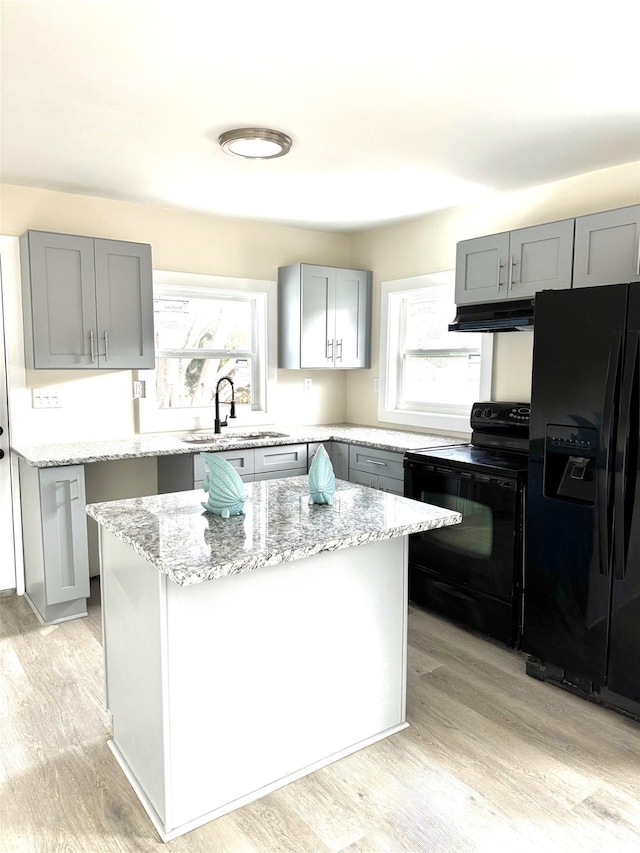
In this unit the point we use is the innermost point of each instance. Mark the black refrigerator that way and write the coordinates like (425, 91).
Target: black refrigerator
(582, 554)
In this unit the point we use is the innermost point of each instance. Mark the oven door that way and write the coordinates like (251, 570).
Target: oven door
(481, 552)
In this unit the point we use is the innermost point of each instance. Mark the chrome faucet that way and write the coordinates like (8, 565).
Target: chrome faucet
(218, 424)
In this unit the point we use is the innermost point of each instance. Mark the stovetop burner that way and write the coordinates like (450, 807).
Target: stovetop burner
(480, 458)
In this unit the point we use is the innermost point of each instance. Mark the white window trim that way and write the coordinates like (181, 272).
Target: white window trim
(442, 421)
(151, 419)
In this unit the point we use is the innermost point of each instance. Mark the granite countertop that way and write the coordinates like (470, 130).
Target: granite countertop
(164, 444)
(189, 545)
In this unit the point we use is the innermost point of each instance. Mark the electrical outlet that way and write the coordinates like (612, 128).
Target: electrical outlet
(139, 390)
(45, 398)
(307, 385)
(376, 385)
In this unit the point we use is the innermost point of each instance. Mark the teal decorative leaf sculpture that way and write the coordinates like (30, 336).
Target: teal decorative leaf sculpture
(225, 488)
(322, 480)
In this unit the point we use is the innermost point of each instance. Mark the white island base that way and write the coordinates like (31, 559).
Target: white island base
(223, 691)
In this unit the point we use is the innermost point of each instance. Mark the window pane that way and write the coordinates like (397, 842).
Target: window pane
(197, 323)
(426, 323)
(441, 379)
(189, 382)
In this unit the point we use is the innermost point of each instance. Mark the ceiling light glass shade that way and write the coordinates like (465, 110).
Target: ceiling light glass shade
(255, 143)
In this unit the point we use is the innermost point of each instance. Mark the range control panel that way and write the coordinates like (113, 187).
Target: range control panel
(500, 417)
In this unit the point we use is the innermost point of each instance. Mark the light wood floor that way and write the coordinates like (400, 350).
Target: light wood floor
(493, 760)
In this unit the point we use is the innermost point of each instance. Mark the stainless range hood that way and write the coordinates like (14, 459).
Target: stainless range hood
(508, 316)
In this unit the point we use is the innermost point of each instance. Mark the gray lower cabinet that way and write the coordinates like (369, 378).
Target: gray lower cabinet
(338, 453)
(515, 264)
(87, 303)
(54, 526)
(186, 471)
(379, 469)
(607, 247)
(289, 460)
(324, 317)
(340, 459)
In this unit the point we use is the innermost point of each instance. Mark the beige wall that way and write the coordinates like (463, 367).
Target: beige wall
(99, 403)
(428, 245)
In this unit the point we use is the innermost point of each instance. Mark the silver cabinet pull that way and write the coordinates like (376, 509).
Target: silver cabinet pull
(375, 462)
(500, 266)
(106, 346)
(510, 272)
(339, 354)
(72, 496)
(92, 346)
(329, 347)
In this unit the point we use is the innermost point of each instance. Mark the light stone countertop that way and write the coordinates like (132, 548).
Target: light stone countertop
(47, 455)
(179, 538)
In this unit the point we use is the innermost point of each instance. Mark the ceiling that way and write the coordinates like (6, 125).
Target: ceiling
(395, 109)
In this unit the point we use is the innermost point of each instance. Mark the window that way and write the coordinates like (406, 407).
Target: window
(207, 328)
(429, 377)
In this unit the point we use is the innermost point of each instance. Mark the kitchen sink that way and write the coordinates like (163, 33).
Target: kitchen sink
(226, 437)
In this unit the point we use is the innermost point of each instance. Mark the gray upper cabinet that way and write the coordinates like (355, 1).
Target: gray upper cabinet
(515, 264)
(480, 266)
(324, 317)
(607, 247)
(88, 303)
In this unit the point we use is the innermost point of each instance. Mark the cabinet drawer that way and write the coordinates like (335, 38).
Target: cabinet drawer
(277, 475)
(288, 457)
(374, 461)
(241, 460)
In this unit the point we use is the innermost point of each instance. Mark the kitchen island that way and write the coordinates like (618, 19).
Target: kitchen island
(244, 653)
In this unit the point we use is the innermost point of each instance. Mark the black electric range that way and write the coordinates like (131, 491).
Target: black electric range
(473, 572)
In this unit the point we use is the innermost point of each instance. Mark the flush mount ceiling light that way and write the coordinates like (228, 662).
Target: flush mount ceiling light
(255, 143)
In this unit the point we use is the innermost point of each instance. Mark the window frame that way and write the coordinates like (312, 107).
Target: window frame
(149, 418)
(440, 417)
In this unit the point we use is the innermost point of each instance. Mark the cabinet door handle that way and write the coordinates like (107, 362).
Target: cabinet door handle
(510, 272)
(339, 354)
(92, 346)
(329, 354)
(106, 346)
(76, 496)
(375, 462)
(500, 266)
(512, 279)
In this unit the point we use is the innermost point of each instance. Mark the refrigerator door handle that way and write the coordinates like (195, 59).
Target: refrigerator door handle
(605, 483)
(625, 480)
